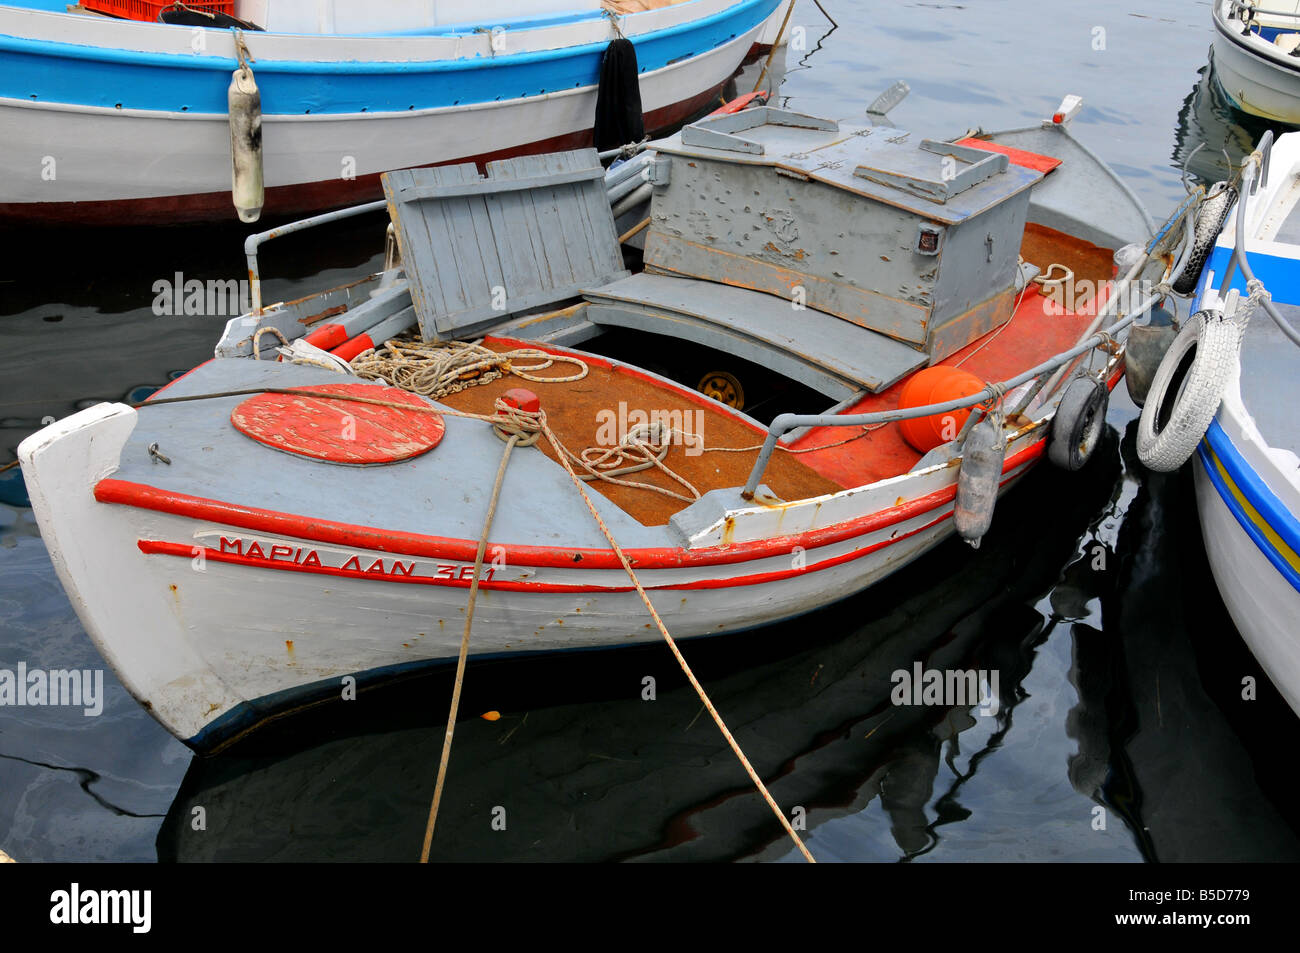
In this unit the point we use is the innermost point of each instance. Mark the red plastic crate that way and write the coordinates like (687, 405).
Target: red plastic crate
(149, 9)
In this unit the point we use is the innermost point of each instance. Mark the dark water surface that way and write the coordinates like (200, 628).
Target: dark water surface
(1120, 732)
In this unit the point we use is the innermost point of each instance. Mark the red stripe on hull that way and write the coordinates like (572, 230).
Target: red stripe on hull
(163, 548)
(463, 550)
(295, 201)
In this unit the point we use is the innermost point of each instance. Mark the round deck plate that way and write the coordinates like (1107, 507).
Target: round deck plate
(341, 431)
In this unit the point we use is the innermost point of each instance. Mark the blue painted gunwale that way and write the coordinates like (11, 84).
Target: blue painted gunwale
(1278, 272)
(45, 71)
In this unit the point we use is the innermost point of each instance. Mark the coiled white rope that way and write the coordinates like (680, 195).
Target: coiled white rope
(437, 369)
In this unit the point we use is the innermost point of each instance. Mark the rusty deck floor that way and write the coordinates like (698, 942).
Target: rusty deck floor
(576, 411)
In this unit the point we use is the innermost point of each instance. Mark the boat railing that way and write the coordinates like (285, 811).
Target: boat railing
(1265, 152)
(253, 242)
(787, 422)
(1245, 12)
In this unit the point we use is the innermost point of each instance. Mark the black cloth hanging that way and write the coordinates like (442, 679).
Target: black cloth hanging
(618, 98)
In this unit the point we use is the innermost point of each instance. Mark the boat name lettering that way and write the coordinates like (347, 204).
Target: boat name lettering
(355, 562)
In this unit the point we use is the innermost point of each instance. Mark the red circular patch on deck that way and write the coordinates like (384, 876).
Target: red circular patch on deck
(341, 431)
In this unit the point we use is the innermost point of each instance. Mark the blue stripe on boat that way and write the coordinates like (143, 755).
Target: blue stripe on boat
(50, 71)
(1270, 517)
(1281, 276)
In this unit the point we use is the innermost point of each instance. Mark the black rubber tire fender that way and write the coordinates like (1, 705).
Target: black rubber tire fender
(1078, 423)
(1209, 222)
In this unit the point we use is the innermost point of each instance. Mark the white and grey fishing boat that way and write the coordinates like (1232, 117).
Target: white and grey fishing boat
(846, 342)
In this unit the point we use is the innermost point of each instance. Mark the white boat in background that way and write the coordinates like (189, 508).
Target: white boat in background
(1257, 57)
(1236, 367)
(115, 120)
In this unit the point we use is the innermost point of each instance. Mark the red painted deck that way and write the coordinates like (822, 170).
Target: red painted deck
(1029, 160)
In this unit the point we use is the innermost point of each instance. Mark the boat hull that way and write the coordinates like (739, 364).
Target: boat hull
(215, 616)
(1247, 489)
(489, 134)
(1254, 566)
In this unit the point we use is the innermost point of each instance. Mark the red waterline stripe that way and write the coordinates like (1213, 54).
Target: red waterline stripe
(464, 550)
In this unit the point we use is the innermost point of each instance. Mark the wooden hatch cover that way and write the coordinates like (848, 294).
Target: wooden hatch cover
(341, 431)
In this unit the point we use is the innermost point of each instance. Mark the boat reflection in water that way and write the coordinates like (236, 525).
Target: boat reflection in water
(1209, 119)
(1202, 773)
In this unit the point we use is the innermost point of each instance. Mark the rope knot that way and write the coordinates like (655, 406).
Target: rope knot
(526, 425)
(1108, 342)
(241, 52)
(998, 392)
(613, 18)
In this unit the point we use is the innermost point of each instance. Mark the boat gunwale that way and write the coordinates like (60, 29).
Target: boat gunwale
(142, 496)
(182, 59)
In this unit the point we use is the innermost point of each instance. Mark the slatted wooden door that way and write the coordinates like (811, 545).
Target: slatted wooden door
(478, 249)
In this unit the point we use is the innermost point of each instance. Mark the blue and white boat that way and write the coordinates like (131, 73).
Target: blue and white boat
(118, 120)
(1233, 375)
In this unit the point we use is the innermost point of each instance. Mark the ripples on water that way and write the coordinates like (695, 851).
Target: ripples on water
(1120, 670)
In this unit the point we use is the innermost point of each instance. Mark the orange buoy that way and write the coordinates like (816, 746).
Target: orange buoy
(491, 716)
(935, 385)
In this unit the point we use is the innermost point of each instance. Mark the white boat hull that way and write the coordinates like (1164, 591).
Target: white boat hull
(79, 162)
(1246, 468)
(771, 34)
(1264, 606)
(231, 582)
(1257, 77)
